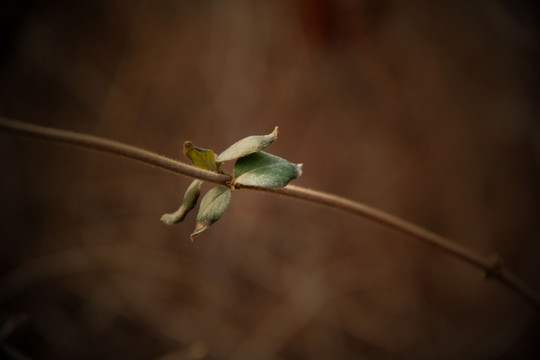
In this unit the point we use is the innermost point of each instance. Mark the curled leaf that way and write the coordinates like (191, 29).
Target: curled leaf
(190, 200)
(247, 146)
(213, 205)
(201, 158)
(265, 170)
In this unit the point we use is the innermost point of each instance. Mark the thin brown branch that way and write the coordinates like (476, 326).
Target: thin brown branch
(492, 268)
(113, 147)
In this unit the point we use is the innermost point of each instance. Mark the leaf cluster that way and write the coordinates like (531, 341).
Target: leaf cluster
(253, 167)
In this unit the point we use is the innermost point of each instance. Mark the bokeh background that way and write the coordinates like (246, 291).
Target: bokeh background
(425, 109)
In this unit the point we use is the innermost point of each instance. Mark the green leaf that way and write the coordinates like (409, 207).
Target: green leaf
(202, 158)
(213, 205)
(247, 146)
(190, 200)
(265, 170)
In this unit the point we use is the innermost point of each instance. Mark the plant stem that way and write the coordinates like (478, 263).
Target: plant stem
(494, 269)
(113, 147)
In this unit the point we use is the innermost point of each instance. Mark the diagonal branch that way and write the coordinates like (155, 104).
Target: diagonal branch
(113, 147)
(494, 269)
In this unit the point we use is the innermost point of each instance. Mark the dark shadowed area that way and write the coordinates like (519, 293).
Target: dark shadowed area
(426, 109)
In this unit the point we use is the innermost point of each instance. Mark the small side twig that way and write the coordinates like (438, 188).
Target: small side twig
(497, 271)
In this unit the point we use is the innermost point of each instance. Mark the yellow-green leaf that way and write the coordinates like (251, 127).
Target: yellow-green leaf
(247, 146)
(190, 200)
(265, 170)
(201, 158)
(213, 205)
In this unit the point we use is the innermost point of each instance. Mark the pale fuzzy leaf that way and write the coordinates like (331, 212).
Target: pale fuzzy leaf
(265, 170)
(247, 146)
(190, 200)
(213, 205)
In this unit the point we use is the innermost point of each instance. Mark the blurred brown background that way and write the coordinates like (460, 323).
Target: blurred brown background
(426, 109)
